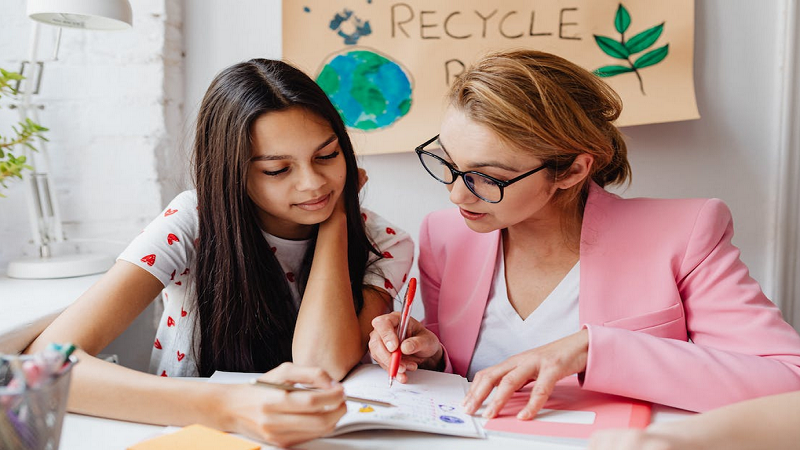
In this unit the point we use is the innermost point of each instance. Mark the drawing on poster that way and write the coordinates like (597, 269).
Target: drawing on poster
(370, 90)
(624, 50)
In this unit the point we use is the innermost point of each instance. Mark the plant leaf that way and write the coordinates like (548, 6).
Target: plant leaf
(650, 58)
(610, 71)
(644, 39)
(611, 47)
(622, 20)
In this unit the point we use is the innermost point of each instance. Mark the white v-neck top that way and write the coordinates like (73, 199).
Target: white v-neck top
(504, 333)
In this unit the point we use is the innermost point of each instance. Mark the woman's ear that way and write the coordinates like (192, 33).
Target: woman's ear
(577, 172)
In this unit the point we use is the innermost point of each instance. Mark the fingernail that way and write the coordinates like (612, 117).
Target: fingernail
(524, 415)
(489, 413)
(391, 346)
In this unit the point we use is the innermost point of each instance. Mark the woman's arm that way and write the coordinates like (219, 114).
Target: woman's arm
(328, 333)
(768, 423)
(103, 389)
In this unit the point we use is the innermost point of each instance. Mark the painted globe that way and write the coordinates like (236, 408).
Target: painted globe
(370, 91)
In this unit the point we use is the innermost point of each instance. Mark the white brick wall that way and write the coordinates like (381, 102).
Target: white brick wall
(113, 102)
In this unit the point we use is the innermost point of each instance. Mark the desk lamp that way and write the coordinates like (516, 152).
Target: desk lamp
(44, 215)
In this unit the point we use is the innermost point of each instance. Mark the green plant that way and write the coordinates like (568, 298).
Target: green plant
(623, 49)
(24, 133)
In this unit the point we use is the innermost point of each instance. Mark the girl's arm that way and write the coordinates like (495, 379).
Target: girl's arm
(103, 389)
(328, 333)
(768, 423)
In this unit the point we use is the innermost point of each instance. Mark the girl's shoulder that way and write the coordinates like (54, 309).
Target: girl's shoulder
(379, 229)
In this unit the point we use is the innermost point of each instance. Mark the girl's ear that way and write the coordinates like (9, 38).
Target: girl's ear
(578, 171)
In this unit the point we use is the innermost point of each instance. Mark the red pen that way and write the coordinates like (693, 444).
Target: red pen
(394, 364)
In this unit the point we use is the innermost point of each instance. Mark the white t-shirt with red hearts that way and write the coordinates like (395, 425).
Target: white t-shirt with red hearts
(166, 249)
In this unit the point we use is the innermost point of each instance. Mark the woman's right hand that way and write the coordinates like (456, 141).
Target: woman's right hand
(420, 349)
(284, 418)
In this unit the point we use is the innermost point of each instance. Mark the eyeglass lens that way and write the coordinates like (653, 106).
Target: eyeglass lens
(479, 185)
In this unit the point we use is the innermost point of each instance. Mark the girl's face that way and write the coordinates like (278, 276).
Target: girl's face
(297, 171)
(469, 145)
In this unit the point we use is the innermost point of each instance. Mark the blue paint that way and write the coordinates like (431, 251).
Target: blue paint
(446, 408)
(346, 20)
(306, 9)
(450, 419)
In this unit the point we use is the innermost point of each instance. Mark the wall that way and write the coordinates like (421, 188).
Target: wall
(732, 152)
(113, 101)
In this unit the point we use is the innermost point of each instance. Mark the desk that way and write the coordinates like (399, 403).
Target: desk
(91, 433)
(28, 306)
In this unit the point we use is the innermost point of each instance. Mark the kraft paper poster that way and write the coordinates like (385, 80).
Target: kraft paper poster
(387, 65)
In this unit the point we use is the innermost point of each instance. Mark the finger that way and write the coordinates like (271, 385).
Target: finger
(482, 385)
(288, 429)
(509, 384)
(421, 345)
(290, 373)
(378, 351)
(541, 391)
(308, 401)
(385, 326)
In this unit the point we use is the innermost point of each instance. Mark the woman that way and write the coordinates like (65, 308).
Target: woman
(270, 260)
(667, 312)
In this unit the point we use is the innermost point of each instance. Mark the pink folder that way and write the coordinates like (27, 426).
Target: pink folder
(610, 411)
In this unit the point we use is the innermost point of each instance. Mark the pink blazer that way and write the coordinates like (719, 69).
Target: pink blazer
(673, 314)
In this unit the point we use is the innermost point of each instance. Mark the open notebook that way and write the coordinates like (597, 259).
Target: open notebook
(429, 402)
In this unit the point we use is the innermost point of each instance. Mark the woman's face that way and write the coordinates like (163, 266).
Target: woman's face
(297, 171)
(469, 145)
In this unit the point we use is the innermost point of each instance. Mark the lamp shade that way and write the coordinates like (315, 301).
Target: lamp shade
(86, 14)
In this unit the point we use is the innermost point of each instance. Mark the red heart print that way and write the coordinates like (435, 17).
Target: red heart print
(170, 321)
(404, 277)
(274, 249)
(183, 313)
(180, 356)
(170, 212)
(196, 241)
(390, 230)
(149, 259)
(364, 216)
(178, 283)
(387, 284)
(387, 255)
(166, 297)
(290, 276)
(163, 373)
(185, 272)
(172, 277)
(172, 238)
(157, 344)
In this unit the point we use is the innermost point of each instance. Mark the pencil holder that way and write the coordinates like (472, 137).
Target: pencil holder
(32, 414)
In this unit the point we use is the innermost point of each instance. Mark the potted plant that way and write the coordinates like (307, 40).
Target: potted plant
(24, 133)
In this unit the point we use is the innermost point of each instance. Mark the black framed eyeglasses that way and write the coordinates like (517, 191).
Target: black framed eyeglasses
(485, 187)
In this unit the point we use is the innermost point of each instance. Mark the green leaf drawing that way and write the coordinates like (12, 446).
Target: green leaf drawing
(622, 20)
(650, 58)
(644, 39)
(623, 49)
(610, 71)
(612, 47)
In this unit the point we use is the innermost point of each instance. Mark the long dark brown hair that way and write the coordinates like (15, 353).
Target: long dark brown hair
(246, 315)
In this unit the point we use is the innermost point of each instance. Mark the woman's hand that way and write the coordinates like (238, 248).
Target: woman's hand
(636, 439)
(420, 349)
(284, 418)
(546, 365)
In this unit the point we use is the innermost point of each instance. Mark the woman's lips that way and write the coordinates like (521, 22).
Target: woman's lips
(469, 215)
(315, 204)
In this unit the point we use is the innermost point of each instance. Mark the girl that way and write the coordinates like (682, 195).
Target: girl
(540, 273)
(270, 260)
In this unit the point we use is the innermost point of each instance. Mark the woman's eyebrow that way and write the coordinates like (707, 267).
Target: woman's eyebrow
(324, 144)
(481, 164)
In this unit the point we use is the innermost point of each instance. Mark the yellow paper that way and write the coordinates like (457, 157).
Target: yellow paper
(196, 437)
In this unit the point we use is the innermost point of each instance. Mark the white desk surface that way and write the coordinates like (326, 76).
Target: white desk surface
(91, 433)
(28, 306)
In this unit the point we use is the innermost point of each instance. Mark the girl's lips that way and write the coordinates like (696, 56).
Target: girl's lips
(315, 204)
(469, 215)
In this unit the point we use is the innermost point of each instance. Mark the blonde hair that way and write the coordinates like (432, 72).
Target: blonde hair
(548, 107)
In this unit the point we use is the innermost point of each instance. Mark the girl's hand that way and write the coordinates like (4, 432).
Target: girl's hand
(285, 418)
(421, 348)
(546, 365)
